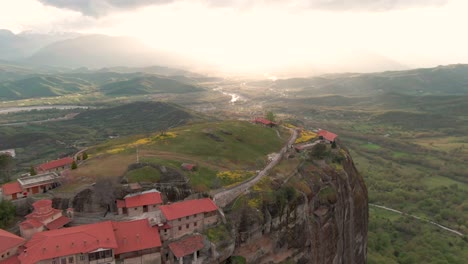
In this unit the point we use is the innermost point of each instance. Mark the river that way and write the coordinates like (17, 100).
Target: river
(7, 110)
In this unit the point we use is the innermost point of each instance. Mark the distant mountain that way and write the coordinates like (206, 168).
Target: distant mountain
(442, 80)
(20, 46)
(148, 85)
(40, 86)
(98, 51)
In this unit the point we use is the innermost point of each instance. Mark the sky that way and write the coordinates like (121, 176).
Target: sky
(267, 35)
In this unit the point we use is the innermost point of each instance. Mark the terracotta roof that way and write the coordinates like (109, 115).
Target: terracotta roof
(146, 198)
(58, 223)
(187, 208)
(55, 164)
(263, 121)
(11, 188)
(68, 241)
(187, 245)
(188, 166)
(11, 260)
(9, 240)
(327, 135)
(43, 210)
(135, 235)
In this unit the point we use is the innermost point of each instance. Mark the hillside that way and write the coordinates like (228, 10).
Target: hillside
(40, 86)
(147, 85)
(39, 142)
(214, 146)
(442, 80)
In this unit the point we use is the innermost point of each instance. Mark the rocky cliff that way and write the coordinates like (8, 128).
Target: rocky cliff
(317, 214)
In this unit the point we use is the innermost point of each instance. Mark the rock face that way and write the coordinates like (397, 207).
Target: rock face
(326, 222)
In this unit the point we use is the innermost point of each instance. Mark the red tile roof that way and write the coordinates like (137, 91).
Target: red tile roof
(43, 210)
(11, 188)
(135, 235)
(187, 208)
(327, 135)
(11, 260)
(68, 241)
(263, 121)
(146, 198)
(187, 245)
(58, 223)
(188, 166)
(9, 240)
(55, 164)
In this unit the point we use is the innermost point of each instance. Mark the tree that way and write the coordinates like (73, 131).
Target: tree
(32, 171)
(270, 116)
(7, 164)
(333, 145)
(85, 155)
(74, 166)
(7, 213)
(319, 151)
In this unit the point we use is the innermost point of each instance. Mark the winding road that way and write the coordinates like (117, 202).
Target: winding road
(224, 197)
(418, 218)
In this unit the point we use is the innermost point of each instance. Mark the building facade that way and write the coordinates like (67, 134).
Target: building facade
(43, 217)
(105, 242)
(30, 185)
(55, 165)
(187, 217)
(139, 203)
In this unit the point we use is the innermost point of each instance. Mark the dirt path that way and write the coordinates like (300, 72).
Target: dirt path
(418, 218)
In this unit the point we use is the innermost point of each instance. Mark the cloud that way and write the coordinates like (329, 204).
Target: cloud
(370, 5)
(97, 8)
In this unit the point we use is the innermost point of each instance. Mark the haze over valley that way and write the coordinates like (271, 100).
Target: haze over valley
(302, 131)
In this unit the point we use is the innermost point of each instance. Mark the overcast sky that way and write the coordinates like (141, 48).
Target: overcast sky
(241, 35)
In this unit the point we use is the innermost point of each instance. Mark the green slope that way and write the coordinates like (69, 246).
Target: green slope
(40, 86)
(148, 85)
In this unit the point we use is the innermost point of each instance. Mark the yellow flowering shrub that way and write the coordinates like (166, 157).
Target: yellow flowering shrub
(289, 125)
(255, 203)
(164, 136)
(305, 136)
(230, 177)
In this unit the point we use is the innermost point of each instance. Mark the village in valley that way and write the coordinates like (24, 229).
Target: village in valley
(145, 227)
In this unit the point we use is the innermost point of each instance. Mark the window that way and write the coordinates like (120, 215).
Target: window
(82, 257)
(187, 217)
(54, 261)
(180, 228)
(195, 224)
(136, 208)
(187, 225)
(154, 206)
(180, 219)
(71, 259)
(63, 261)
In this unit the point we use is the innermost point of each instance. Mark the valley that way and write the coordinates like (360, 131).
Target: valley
(406, 134)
